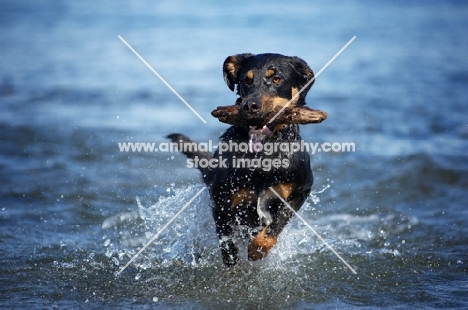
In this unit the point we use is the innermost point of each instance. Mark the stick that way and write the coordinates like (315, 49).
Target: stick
(291, 115)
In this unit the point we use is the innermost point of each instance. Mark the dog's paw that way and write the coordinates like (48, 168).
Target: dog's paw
(260, 245)
(229, 252)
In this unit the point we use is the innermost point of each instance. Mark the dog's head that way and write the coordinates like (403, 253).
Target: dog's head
(267, 81)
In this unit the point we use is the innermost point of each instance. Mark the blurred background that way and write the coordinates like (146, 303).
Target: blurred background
(74, 209)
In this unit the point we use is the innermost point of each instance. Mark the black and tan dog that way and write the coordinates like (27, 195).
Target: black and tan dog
(241, 193)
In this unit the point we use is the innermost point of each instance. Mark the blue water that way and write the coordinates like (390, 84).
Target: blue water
(74, 209)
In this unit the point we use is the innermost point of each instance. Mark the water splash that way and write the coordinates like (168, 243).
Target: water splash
(313, 195)
(191, 239)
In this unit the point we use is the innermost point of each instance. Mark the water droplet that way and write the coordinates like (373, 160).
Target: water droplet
(137, 276)
(115, 261)
(108, 253)
(107, 242)
(315, 199)
(155, 299)
(302, 241)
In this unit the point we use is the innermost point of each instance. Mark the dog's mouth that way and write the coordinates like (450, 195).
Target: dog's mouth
(257, 134)
(260, 130)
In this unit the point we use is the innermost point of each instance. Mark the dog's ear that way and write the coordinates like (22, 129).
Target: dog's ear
(231, 68)
(304, 75)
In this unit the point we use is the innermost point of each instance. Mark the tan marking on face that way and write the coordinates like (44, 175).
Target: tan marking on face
(250, 75)
(242, 197)
(294, 92)
(260, 245)
(284, 189)
(269, 73)
(269, 103)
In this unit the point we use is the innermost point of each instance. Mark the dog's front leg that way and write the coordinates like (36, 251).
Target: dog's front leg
(229, 251)
(266, 239)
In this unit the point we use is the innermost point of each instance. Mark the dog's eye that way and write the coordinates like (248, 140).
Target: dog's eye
(248, 81)
(276, 80)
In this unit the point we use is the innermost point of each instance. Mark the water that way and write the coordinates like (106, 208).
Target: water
(74, 210)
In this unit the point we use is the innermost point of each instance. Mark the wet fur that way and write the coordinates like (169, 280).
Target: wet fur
(242, 196)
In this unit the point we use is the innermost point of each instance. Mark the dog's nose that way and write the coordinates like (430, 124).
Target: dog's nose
(252, 106)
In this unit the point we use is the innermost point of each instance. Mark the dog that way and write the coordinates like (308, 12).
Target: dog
(241, 193)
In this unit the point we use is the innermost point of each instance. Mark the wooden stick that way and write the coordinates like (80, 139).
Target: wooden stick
(291, 115)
